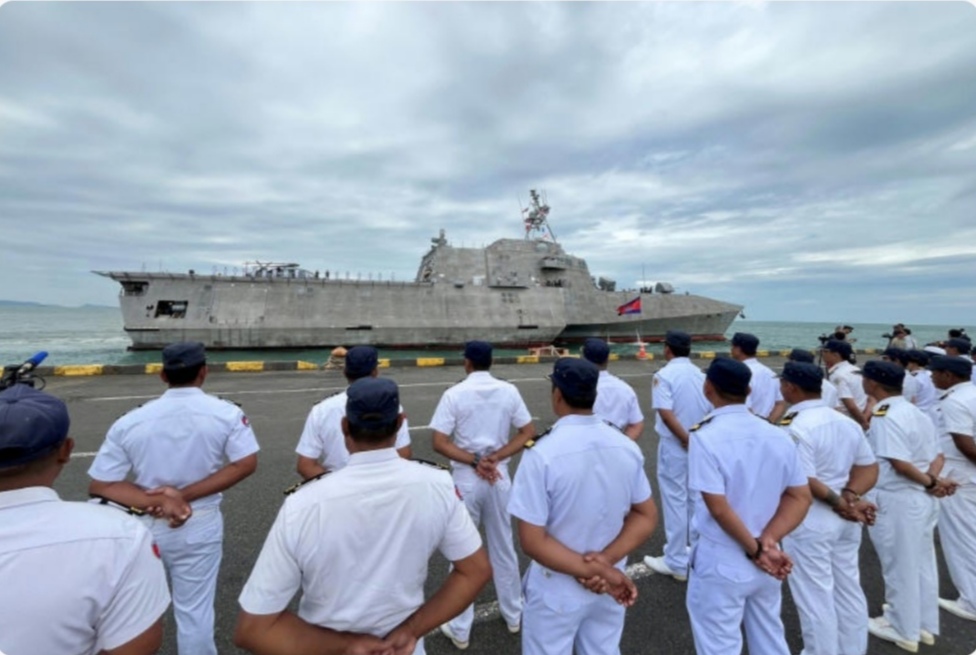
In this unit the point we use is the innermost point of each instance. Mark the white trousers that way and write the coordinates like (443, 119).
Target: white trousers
(826, 583)
(672, 479)
(957, 532)
(561, 617)
(903, 537)
(727, 592)
(191, 555)
(488, 504)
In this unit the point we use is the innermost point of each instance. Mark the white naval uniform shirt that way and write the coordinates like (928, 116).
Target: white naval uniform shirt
(828, 394)
(479, 411)
(926, 395)
(177, 439)
(616, 401)
(357, 543)
(957, 412)
(764, 391)
(900, 430)
(579, 481)
(846, 378)
(75, 578)
(678, 387)
(746, 459)
(909, 388)
(829, 443)
(322, 437)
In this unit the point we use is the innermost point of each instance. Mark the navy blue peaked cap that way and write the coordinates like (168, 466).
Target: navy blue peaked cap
(31, 424)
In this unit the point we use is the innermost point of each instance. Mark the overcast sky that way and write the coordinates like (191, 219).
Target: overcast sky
(811, 161)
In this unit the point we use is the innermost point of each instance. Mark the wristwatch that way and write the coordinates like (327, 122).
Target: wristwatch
(477, 459)
(935, 481)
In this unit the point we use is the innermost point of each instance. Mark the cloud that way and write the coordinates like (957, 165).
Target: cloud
(810, 161)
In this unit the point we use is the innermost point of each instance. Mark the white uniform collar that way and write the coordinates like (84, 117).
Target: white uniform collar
(373, 456)
(27, 496)
(807, 404)
(736, 408)
(578, 419)
(604, 373)
(183, 391)
(475, 375)
(958, 385)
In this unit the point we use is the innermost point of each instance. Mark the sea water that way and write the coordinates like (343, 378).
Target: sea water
(94, 335)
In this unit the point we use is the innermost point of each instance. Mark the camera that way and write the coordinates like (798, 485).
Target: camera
(887, 336)
(824, 338)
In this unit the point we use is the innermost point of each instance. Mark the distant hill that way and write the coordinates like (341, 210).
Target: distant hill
(20, 303)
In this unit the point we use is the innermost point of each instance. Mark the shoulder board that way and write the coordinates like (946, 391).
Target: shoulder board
(232, 402)
(880, 411)
(427, 462)
(613, 426)
(786, 420)
(531, 442)
(102, 500)
(324, 398)
(298, 485)
(702, 423)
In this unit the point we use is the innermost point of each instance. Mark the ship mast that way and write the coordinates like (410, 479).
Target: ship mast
(536, 217)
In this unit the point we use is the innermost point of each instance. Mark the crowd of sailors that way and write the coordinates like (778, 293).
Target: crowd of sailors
(762, 477)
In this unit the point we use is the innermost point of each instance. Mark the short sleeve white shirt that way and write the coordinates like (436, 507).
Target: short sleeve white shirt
(828, 442)
(322, 437)
(764, 391)
(616, 401)
(357, 543)
(75, 578)
(828, 394)
(957, 415)
(480, 411)
(177, 439)
(901, 431)
(678, 387)
(579, 481)
(848, 381)
(740, 456)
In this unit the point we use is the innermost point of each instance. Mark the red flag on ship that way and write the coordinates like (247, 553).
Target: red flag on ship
(632, 307)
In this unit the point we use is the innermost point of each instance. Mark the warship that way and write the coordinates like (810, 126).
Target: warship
(515, 293)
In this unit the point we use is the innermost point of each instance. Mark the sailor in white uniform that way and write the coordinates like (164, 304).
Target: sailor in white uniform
(844, 375)
(926, 395)
(184, 448)
(746, 471)
(957, 513)
(840, 466)
(899, 357)
(480, 413)
(904, 441)
(961, 347)
(616, 401)
(322, 446)
(357, 543)
(75, 579)
(765, 399)
(828, 392)
(583, 502)
(679, 402)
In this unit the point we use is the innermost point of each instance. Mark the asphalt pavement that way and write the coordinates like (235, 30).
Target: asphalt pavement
(277, 403)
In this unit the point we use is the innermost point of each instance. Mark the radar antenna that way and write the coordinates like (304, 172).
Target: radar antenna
(536, 217)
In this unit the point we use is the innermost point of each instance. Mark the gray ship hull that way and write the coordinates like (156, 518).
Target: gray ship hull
(515, 293)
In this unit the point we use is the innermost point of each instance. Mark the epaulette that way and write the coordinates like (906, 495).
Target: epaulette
(700, 424)
(102, 500)
(613, 425)
(881, 411)
(531, 442)
(129, 411)
(298, 485)
(427, 462)
(786, 420)
(232, 402)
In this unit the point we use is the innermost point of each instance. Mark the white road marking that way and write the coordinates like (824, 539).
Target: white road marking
(78, 455)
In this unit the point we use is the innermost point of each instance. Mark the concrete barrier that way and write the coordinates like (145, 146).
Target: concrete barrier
(77, 370)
